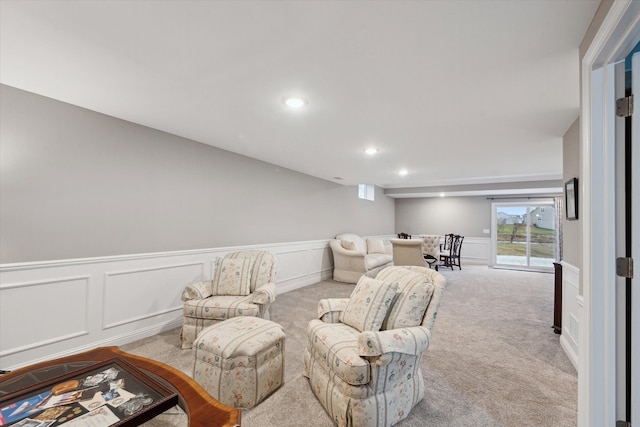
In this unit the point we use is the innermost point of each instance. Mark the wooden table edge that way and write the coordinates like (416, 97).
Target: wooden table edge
(202, 409)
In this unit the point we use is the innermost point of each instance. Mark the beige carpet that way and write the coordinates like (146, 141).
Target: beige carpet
(494, 360)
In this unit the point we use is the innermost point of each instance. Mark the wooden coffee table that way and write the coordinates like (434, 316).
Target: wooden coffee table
(202, 409)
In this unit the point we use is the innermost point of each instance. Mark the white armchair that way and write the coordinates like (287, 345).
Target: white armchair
(363, 353)
(243, 285)
(354, 256)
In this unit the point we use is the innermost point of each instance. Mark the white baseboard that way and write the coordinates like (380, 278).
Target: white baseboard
(114, 341)
(568, 349)
(291, 285)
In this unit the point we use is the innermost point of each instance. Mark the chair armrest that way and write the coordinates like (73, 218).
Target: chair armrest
(329, 309)
(347, 259)
(413, 340)
(265, 294)
(199, 290)
(351, 253)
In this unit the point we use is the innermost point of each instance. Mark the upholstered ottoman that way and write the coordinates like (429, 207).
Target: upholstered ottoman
(240, 361)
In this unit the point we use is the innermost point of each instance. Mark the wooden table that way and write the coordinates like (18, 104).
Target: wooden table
(202, 409)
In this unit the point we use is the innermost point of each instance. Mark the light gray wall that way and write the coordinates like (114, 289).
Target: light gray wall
(75, 183)
(467, 216)
(572, 233)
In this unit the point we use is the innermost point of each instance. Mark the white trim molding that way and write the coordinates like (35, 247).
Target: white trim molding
(572, 312)
(597, 350)
(475, 250)
(55, 308)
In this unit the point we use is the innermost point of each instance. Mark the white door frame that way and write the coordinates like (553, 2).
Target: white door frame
(596, 352)
(635, 250)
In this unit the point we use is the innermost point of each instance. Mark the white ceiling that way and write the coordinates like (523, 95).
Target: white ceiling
(456, 92)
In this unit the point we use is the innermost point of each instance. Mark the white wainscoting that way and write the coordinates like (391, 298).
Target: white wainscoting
(54, 308)
(572, 308)
(476, 250)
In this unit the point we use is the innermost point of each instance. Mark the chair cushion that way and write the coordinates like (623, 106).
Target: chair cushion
(359, 241)
(337, 345)
(348, 245)
(232, 276)
(412, 299)
(221, 307)
(375, 246)
(377, 260)
(368, 304)
(238, 341)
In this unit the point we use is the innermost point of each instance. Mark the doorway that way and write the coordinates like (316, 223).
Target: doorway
(600, 401)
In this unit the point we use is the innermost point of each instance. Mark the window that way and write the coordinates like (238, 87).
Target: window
(366, 191)
(522, 236)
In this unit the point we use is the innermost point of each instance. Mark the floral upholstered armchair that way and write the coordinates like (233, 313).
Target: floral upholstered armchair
(363, 353)
(243, 285)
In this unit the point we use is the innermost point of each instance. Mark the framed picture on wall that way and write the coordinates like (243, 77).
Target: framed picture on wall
(571, 198)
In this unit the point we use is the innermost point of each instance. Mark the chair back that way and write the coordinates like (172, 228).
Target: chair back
(395, 274)
(448, 241)
(431, 245)
(408, 252)
(456, 246)
(264, 267)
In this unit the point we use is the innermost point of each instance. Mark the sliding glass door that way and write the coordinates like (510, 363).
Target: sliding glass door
(524, 235)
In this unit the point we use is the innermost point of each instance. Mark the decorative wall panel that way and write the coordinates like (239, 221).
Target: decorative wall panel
(134, 295)
(34, 314)
(571, 311)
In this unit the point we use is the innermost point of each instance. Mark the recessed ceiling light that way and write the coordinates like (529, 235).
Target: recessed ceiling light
(294, 102)
(403, 172)
(371, 151)
(441, 194)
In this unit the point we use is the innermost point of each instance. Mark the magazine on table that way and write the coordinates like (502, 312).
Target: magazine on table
(100, 398)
